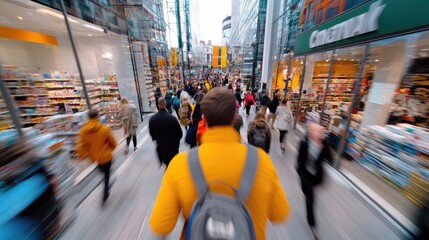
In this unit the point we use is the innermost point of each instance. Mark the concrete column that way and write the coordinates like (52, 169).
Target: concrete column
(387, 78)
(269, 43)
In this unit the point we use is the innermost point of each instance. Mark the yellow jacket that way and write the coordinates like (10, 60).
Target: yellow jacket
(95, 141)
(222, 156)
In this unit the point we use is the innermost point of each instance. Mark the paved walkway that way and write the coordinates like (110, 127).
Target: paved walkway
(340, 212)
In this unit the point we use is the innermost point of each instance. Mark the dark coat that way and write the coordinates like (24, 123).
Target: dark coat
(274, 104)
(304, 174)
(166, 131)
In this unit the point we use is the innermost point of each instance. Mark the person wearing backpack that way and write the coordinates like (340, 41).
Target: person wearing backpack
(169, 100)
(313, 150)
(284, 122)
(202, 179)
(176, 105)
(259, 133)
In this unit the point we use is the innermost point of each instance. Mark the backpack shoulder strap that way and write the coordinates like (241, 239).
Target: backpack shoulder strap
(196, 171)
(249, 172)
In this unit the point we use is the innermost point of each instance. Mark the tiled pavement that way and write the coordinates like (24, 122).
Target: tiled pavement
(340, 212)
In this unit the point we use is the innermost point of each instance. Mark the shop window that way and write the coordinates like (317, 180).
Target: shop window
(314, 86)
(388, 130)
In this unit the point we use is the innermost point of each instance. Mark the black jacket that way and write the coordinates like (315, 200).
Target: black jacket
(166, 131)
(238, 96)
(265, 101)
(304, 174)
(274, 104)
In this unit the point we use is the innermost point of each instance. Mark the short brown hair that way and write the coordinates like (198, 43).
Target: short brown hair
(218, 107)
(93, 113)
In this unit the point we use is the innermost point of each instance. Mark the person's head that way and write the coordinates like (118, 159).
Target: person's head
(162, 104)
(93, 114)
(284, 101)
(315, 131)
(260, 116)
(124, 101)
(218, 107)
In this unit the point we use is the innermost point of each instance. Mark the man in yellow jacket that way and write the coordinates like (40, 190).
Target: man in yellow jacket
(222, 157)
(95, 140)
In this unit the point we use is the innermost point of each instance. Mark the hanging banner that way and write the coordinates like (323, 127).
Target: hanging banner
(173, 57)
(223, 57)
(215, 57)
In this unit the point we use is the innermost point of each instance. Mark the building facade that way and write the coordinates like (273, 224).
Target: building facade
(247, 39)
(358, 69)
(226, 31)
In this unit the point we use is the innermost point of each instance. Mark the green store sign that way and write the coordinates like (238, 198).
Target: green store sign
(372, 20)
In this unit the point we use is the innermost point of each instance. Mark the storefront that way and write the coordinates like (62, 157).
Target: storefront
(43, 102)
(366, 73)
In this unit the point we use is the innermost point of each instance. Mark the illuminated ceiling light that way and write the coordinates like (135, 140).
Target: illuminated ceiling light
(90, 35)
(425, 49)
(107, 56)
(20, 18)
(376, 60)
(55, 14)
(94, 27)
(352, 59)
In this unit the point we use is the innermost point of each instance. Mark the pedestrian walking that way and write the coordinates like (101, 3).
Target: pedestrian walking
(284, 122)
(259, 133)
(191, 135)
(187, 180)
(185, 112)
(272, 110)
(313, 150)
(176, 104)
(264, 101)
(169, 101)
(95, 140)
(128, 113)
(158, 94)
(237, 95)
(248, 102)
(166, 131)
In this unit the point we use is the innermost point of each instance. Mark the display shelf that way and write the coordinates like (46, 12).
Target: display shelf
(28, 95)
(36, 114)
(33, 106)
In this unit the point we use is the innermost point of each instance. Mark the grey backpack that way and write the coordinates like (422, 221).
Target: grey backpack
(218, 216)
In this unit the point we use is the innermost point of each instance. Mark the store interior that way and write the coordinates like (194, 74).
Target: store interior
(388, 137)
(39, 71)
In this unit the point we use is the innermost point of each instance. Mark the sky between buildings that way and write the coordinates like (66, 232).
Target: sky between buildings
(212, 12)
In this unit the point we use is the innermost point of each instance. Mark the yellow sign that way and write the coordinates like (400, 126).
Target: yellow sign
(223, 57)
(215, 57)
(27, 36)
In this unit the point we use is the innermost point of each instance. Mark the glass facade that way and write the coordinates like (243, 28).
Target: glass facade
(371, 96)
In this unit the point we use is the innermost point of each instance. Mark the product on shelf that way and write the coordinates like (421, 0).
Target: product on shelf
(111, 114)
(398, 154)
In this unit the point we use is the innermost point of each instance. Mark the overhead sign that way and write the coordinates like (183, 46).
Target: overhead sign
(373, 20)
(361, 24)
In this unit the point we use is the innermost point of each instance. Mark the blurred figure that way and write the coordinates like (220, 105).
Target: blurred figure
(273, 108)
(169, 101)
(238, 123)
(166, 131)
(185, 113)
(248, 102)
(95, 140)
(176, 104)
(284, 121)
(184, 94)
(264, 101)
(128, 113)
(221, 149)
(158, 94)
(259, 133)
(196, 117)
(237, 95)
(313, 150)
